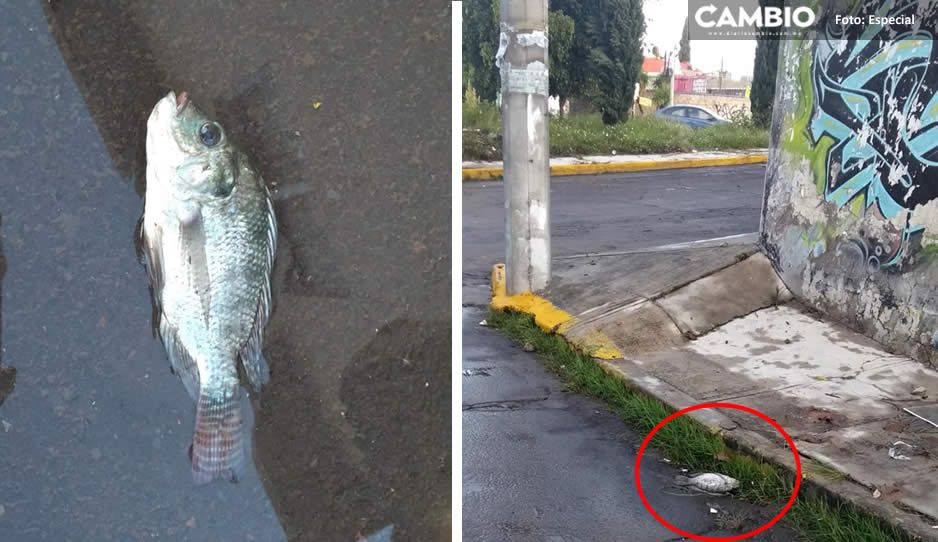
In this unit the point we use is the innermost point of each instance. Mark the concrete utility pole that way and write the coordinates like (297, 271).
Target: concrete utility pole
(672, 67)
(721, 73)
(523, 61)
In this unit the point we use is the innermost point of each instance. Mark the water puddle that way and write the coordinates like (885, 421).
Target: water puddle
(481, 371)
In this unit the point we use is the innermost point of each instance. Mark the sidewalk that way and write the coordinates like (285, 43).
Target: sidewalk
(710, 322)
(592, 165)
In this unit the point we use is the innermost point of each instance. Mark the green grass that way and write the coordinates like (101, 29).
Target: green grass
(819, 520)
(585, 134)
(688, 443)
(479, 115)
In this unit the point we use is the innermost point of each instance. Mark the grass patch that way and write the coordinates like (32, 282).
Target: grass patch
(688, 443)
(585, 134)
(480, 115)
(819, 520)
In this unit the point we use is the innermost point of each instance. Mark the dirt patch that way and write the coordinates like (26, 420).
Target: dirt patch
(479, 145)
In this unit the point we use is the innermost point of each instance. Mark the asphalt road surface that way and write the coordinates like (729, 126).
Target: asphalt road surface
(540, 463)
(600, 213)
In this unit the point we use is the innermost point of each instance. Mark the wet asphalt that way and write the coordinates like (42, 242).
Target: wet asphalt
(344, 109)
(541, 463)
(620, 211)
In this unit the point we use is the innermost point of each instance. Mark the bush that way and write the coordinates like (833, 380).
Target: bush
(586, 134)
(480, 114)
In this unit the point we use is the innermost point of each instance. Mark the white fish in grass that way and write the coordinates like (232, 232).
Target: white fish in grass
(209, 235)
(710, 482)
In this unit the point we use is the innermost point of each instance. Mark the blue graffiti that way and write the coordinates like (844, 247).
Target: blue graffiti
(876, 97)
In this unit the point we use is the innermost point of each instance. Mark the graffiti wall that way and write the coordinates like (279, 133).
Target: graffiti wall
(851, 213)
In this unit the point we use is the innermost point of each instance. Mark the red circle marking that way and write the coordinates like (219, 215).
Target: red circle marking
(770, 421)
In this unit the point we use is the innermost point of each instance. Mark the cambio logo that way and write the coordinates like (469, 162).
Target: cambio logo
(767, 17)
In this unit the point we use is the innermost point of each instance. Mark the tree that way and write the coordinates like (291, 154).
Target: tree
(684, 54)
(661, 95)
(560, 34)
(607, 55)
(480, 43)
(765, 69)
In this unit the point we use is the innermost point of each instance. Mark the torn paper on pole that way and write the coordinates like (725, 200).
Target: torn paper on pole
(535, 38)
(532, 79)
(503, 41)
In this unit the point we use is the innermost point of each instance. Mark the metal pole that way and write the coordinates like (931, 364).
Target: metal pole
(522, 59)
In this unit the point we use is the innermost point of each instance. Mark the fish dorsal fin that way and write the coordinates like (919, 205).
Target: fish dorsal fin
(252, 356)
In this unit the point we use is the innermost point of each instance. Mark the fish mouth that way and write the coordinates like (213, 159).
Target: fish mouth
(181, 99)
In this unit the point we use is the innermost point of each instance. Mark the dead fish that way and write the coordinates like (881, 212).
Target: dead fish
(710, 482)
(210, 235)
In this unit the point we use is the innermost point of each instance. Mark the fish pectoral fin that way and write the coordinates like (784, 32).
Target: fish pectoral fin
(192, 244)
(181, 362)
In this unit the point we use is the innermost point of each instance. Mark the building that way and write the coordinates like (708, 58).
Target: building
(687, 80)
(652, 66)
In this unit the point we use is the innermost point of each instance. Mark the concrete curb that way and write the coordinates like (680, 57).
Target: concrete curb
(815, 482)
(595, 168)
(548, 317)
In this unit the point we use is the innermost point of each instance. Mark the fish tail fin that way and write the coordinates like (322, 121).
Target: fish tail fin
(218, 449)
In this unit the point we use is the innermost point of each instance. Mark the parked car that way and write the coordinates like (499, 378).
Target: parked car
(691, 115)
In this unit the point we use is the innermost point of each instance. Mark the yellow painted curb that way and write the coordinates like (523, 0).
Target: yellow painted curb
(546, 315)
(482, 174)
(549, 318)
(492, 173)
(499, 289)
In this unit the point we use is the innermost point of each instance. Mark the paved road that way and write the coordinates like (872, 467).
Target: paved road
(543, 464)
(348, 439)
(597, 213)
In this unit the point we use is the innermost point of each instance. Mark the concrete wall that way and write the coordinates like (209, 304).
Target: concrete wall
(850, 219)
(728, 106)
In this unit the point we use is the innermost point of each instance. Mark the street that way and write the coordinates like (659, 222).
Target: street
(540, 463)
(624, 211)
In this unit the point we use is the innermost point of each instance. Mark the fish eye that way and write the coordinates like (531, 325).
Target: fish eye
(210, 134)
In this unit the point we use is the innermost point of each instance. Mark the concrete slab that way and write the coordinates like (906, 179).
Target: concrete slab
(862, 451)
(838, 393)
(638, 327)
(613, 280)
(724, 295)
(699, 376)
(813, 363)
(833, 390)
